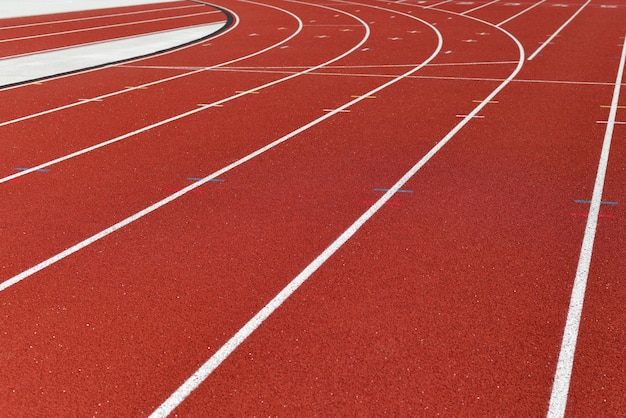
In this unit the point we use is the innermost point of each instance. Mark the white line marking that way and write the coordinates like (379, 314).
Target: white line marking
(479, 7)
(562, 377)
(44, 35)
(437, 4)
(520, 13)
(554, 35)
(240, 336)
(54, 22)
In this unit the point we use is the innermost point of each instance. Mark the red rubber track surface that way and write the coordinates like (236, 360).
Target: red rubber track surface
(20, 36)
(451, 300)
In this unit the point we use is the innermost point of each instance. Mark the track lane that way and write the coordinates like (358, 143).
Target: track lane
(253, 199)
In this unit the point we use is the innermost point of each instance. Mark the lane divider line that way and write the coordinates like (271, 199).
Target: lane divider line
(558, 31)
(565, 363)
(243, 333)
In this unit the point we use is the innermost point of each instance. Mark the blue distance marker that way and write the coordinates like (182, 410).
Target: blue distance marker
(589, 201)
(378, 189)
(202, 178)
(40, 170)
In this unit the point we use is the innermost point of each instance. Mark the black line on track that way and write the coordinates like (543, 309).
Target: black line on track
(230, 19)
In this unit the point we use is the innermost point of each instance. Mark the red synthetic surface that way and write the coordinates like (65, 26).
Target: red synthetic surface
(451, 300)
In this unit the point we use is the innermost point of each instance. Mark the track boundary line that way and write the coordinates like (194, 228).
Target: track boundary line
(243, 333)
(565, 364)
(554, 35)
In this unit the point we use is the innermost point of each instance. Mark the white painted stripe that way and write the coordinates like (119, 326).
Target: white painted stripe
(69, 251)
(520, 13)
(81, 19)
(479, 7)
(236, 340)
(562, 377)
(34, 66)
(555, 34)
(116, 25)
(437, 4)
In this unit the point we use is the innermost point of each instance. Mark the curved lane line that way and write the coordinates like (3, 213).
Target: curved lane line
(88, 241)
(192, 383)
(240, 336)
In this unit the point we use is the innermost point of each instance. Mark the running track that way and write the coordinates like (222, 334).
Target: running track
(331, 208)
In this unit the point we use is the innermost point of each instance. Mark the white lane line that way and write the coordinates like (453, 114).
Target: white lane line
(554, 35)
(240, 336)
(116, 25)
(562, 377)
(520, 13)
(183, 391)
(479, 7)
(164, 80)
(428, 77)
(437, 4)
(71, 250)
(54, 22)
